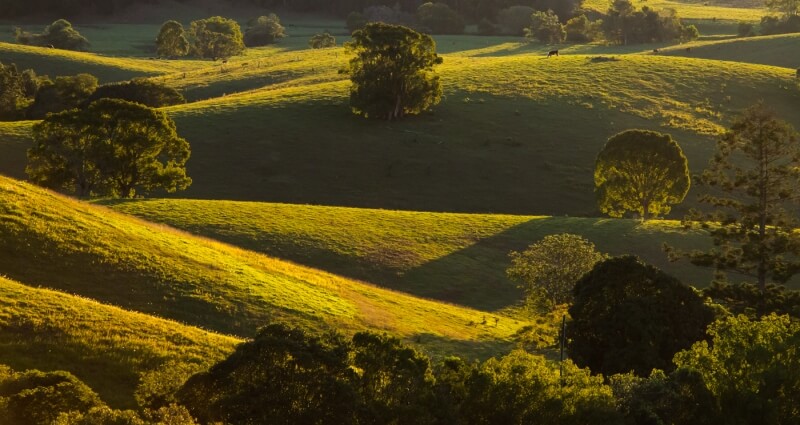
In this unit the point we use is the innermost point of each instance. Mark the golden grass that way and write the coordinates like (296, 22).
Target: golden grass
(107, 347)
(89, 250)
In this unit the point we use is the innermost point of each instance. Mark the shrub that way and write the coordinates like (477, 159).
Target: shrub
(322, 41)
(264, 30)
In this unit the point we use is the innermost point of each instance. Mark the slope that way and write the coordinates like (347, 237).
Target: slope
(54, 241)
(458, 258)
(777, 50)
(108, 348)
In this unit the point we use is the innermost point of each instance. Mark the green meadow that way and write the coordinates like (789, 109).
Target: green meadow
(302, 213)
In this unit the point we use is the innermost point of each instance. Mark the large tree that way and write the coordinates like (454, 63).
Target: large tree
(629, 316)
(12, 91)
(640, 171)
(753, 183)
(112, 148)
(392, 72)
(171, 41)
(548, 269)
(216, 38)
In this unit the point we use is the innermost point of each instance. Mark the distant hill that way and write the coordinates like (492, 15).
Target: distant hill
(53, 241)
(107, 347)
(776, 50)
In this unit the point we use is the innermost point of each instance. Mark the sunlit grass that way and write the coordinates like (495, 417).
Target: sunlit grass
(106, 347)
(778, 50)
(56, 242)
(690, 9)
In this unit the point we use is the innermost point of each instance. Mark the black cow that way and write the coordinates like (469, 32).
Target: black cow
(552, 53)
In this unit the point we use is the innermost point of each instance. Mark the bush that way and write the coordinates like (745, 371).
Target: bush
(780, 25)
(139, 90)
(263, 30)
(514, 20)
(37, 398)
(439, 18)
(322, 41)
(60, 35)
(546, 28)
(746, 29)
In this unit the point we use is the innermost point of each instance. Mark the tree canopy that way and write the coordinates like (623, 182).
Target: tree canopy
(392, 72)
(64, 93)
(171, 41)
(752, 183)
(546, 28)
(264, 30)
(60, 35)
(111, 148)
(628, 316)
(216, 38)
(439, 18)
(547, 270)
(640, 171)
(140, 90)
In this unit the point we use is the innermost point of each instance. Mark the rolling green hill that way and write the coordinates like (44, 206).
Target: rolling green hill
(776, 50)
(57, 242)
(106, 347)
(458, 258)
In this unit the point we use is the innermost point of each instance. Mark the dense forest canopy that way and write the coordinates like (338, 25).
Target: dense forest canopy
(472, 10)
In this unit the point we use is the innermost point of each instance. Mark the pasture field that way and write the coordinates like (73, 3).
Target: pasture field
(108, 348)
(56, 242)
(777, 50)
(275, 126)
(456, 258)
(693, 9)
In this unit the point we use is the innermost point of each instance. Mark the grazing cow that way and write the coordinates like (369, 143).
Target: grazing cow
(50, 46)
(688, 49)
(224, 61)
(798, 73)
(552, 53)
(655, 51)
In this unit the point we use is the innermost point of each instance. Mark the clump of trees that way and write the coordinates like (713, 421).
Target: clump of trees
(787, 19)
(322, 41)
(623, 24)
(546, 28)
(171, 41)
(66, 92)
(60, 35)
(392, 72)
(547, 270)
(515, 19)
(139, 90)
(640, 171)
(263, 30)
(216, 38)
(17, 91)
(111, 148)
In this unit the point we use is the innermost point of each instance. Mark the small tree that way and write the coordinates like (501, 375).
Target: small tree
(439, 18)
(640, 171)
(322, 41)
(12, 92)
(216, 38)
(112, 148)
(171, 41)
(754, 180)
(60, 35)
(629, 316)
(392, 72)
(546, 28)
(263, 30)
(548, 269)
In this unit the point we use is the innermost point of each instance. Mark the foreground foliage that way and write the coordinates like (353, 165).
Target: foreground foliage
(629, 316)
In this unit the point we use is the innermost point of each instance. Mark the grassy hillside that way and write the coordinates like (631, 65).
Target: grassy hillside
(777, 50)
(106, 347)
(57, 242)
(696, 9)
(459, 258)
